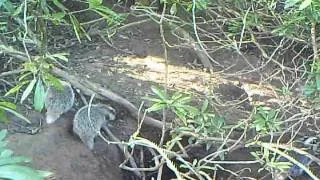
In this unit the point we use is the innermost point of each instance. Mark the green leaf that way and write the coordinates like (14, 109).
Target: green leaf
(272, 114)
(16, 114)
(191, 110)
(3, 116)
(76, 26)
(31, 66)
(259, 126)
(183, 129)
(204, 105)
(305, 4)
(58, 16)
(290, 3)
(156, 107)
(153, 99)
(52, 81)
(61, 56)
(5, 154)
(24, 75)
(3, 134)
(309, 90)
(182, 115)
(17, 172)
(182, 100)
(39, 96)
(318, 82)
(2, 2)
(44, 173)
(173, 9)
(14, 160)
(18, 10)
(283, 165)
(161, 94)
(176, 96)
(78, 29)
(8, 104)
(94, 3)
(107, 13)
(28, 90)
(16, 88)
(59, 5)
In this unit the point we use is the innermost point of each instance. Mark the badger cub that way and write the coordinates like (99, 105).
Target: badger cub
(89, 120)
(58, 101)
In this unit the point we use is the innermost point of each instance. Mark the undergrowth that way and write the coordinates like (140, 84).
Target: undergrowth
(273, 29)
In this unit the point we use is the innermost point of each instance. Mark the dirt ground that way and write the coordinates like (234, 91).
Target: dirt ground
(130, 67)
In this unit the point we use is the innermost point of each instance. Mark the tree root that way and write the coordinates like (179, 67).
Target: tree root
(89, 88)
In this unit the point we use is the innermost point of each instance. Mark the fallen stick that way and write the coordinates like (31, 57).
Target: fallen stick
(88, 88)
(13, 72)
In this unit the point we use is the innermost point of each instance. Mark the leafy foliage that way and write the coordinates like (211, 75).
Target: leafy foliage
(270, 161)
(266, 120)
(207, 123)
(178, 103)
(201, 121)
(30, 20)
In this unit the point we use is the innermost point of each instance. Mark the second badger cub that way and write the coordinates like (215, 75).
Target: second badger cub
(89, 120)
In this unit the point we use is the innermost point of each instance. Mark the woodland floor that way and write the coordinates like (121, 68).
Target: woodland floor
(130, 68)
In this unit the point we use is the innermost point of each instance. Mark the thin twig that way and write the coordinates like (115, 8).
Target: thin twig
(164, 111)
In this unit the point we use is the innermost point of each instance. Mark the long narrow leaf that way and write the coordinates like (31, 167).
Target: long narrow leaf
(45, 173)
(159, 93)
(3, 134)
(28, 90)
(305, 4)
(39, 96)
(6, 154)
(14, 160)
(153, 99)
(3, 116)
(156, 107)
(59, 5)
(16, 88)
(15, 113)
(17, 172)
(8, 105)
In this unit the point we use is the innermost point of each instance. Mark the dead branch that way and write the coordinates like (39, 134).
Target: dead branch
(13, 72)
(202, 55)
(123, 148)
(89, 88)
